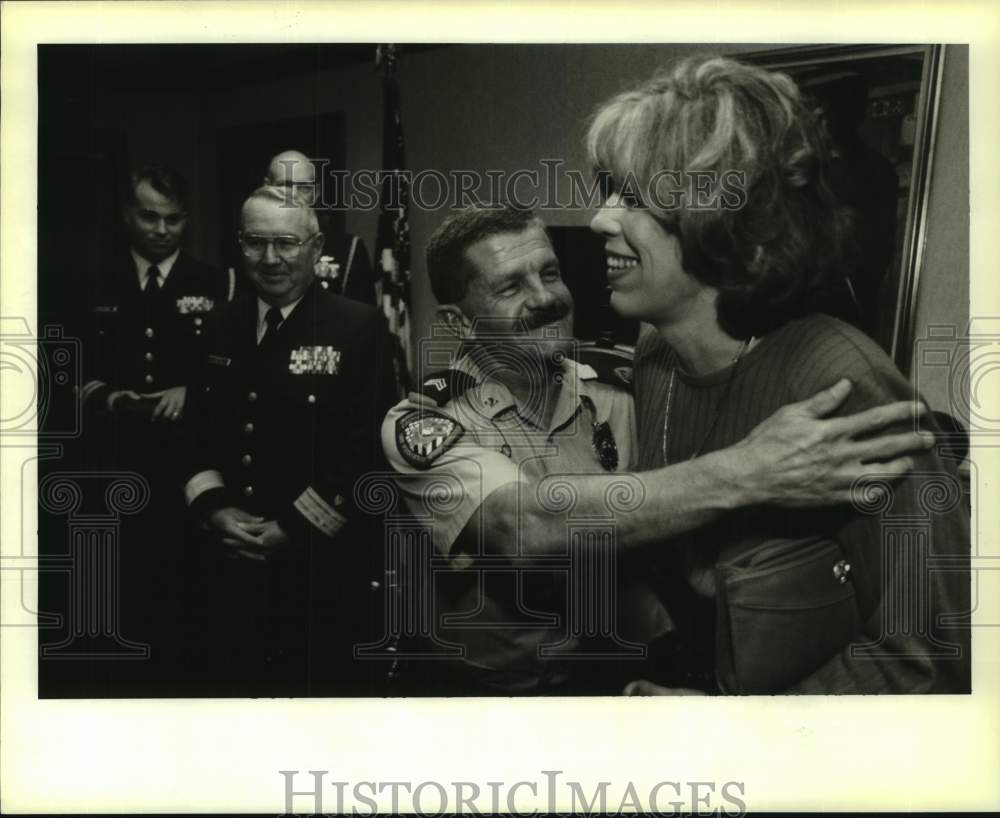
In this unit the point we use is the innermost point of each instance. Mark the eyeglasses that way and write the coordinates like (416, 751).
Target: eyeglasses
(285, 247)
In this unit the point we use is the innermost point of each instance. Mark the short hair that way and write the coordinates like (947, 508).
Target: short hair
(283, 197)
(285, 160)
(448, 267)
(780, 247)
(164, 180)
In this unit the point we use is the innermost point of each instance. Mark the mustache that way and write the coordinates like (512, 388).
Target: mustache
(549, 316)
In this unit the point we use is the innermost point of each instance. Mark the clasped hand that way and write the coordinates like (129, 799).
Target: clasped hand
(246, 535)
(169, 407)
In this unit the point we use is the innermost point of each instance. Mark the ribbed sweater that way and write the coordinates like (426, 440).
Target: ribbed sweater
(711, 412)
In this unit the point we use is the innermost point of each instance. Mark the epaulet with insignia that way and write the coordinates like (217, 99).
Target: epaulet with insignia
(422, 436)
(613, 364)
(446, 385)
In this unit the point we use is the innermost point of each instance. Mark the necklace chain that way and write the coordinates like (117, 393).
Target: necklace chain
(718, 410)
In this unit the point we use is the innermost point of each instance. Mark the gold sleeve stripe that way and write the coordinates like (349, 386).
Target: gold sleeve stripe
(89, 388)
(319, 512)
(202, 482)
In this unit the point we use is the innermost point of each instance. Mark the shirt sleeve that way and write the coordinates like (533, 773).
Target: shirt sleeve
(911, 554)
(452, 488)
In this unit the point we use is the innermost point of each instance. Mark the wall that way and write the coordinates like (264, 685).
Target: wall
(943, 294)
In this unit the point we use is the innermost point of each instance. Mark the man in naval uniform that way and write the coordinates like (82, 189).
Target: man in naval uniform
(486, 450)
(295, 386)
(343, 266)
(147, 321)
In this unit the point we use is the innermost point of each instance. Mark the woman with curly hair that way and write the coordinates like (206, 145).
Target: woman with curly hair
(723, 237)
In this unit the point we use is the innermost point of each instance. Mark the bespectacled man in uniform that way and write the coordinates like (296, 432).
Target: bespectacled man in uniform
(296, 382)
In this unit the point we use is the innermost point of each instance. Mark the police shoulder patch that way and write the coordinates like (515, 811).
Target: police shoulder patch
(423, 436)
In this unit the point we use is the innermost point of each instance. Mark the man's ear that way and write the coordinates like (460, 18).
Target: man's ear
(454, 319)
(320, 239)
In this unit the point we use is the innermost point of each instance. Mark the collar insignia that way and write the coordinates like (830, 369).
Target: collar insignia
(422, 437)
(314, 361)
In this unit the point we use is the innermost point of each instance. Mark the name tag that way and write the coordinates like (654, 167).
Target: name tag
(106, 308)
(219, 360)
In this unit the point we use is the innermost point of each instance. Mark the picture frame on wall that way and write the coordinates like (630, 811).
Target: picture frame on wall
(879, 105)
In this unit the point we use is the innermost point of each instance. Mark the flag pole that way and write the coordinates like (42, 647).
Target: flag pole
(392, 246)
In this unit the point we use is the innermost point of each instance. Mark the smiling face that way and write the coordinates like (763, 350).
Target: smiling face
(155, 222)
(517, 277)
(644, 267)
(280, 279)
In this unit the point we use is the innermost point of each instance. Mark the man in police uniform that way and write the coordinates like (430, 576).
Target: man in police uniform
(144, 338)
(343, 266)
(514, 411)
(288, 419)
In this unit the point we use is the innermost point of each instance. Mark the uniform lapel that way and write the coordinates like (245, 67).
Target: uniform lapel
(244, 324)
(127, 279)
(175, 284)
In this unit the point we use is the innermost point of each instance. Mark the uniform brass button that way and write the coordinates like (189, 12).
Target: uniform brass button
(338, 501)
(252, 397)
(248, 490)
(149, 332)
(197, 322)
(248, 428)
(246, 460)
(311, 399)
(375, 584)
(325, 285)
(197, 332)
(148, 379)
(149, 356)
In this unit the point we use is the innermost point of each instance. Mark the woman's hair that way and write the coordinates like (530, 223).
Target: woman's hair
(727, 158)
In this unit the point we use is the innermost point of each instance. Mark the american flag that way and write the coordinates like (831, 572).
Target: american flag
(393, 241)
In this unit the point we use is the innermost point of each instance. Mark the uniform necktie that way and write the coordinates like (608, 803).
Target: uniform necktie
(151, 292)
(273, 319)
